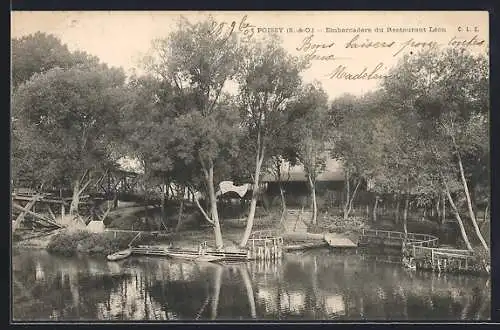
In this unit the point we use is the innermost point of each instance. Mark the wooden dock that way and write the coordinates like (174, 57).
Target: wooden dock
(337, 241)
(164, 251)
(422, 251)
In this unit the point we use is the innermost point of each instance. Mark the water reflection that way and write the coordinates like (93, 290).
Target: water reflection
(314, 285)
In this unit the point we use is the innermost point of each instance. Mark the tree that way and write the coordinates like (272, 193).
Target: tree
(71, 116)
(446, 93)
(198, 62)
(268, 80)
(40, 52)
(353, 120)
(148, 123)
(311, 131)
(279, 157)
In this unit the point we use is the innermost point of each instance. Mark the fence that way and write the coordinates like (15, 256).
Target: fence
(424, 252)
(265, 245)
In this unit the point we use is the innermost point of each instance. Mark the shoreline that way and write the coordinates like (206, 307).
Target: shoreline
(189, 239)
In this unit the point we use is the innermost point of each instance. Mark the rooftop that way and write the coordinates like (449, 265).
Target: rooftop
(332, 172)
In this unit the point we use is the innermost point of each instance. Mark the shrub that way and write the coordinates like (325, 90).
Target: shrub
(67, 243)
(337, 224)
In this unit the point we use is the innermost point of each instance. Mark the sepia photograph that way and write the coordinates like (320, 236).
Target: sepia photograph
(239, 166)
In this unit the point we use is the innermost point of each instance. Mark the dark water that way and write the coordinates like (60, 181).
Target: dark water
(314, 285)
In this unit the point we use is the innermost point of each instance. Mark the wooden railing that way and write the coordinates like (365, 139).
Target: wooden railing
(413, 238)
(265, 244)
(421, 252)
(424, 248)
(263, 234)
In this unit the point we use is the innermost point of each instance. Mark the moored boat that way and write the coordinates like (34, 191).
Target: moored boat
(119, 255)
(194, 257)
(305, 246)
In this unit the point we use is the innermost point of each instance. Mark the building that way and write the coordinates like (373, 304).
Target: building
(296, 186)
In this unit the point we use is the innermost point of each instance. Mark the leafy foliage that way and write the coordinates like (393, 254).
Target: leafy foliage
(65, 120)
(40, 52)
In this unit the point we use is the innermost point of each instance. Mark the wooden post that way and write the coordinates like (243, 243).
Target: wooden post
(432, 256)
(253, 247)
(51, 213)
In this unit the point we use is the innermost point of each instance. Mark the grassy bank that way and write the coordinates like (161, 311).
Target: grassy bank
(40, 241)
(71, 242)
(349, 228)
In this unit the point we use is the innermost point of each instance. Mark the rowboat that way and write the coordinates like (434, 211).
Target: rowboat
(119, 255)
(194, 257)
(304, 246)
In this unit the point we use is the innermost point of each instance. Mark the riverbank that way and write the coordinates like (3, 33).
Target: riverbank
(71, 241)
(40, 242)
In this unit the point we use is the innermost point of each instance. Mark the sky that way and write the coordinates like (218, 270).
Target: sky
(122, 38)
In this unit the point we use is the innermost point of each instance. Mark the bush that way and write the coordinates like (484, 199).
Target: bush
(337, 224)
(67, 243)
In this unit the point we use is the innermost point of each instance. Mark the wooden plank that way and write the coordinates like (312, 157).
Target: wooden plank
(71, 198)
(28, 207)
(51, 213)
(453, 255)
(458, 251)
(35, 215)
(41, 199)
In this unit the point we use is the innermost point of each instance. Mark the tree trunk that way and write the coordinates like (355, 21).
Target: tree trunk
(438, 207)
(73, 208)
(347, 193)
(213, 203)
(398, 202)
(283, 202)
(314, 204)
(253, 203)
(374, 214)
(443, 213)
(459, 220)
(405, 214)
(469, 203)
(351, 200)
(146, 212)
(163, 201)
(486, 211)
(179, 218)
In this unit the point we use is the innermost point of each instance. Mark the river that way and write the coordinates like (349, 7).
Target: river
(313, 285)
